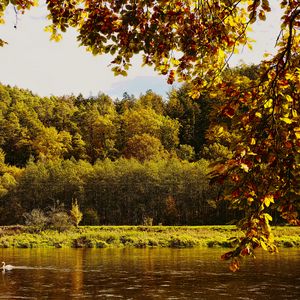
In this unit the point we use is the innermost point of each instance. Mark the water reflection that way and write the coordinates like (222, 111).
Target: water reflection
(146, 274)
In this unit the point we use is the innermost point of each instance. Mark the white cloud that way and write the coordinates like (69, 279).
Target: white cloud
(139, 85)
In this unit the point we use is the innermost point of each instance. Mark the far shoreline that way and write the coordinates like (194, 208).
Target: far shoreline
(211, 236)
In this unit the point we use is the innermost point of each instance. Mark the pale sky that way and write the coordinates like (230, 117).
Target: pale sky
(47, 68)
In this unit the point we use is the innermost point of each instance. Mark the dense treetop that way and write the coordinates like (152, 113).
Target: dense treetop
(98, 127)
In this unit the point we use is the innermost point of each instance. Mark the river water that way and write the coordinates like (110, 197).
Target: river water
(146, 274)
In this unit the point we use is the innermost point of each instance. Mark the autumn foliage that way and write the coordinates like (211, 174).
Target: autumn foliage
(192, 41)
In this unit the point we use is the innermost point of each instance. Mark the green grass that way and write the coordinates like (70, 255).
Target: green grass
(136, 236)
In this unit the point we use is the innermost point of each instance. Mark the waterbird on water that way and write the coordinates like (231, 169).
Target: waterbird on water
(6, 267)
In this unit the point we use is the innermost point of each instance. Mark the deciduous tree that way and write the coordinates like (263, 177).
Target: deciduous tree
(76, 214)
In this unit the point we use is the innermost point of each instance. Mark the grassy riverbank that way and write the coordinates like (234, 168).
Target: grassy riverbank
(135, 236)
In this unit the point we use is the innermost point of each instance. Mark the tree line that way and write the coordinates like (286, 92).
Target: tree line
(125, 161)
(98, 127)
(125, 191)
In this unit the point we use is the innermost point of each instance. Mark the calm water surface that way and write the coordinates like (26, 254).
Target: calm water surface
(146, 274)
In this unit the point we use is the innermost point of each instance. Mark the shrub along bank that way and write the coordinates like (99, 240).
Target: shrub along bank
(135, 236)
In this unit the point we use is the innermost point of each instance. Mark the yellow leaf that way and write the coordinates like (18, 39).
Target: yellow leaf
(289, 98)
(252, 153)
(48, 29)
(245, 167)
(175, 61)
(294, 113)
(287, 120)
(221, 55)
(297, 132)
(220, 131)
(253, 141)
(250, 200)
(286, 107)
(268, 200)
(194, 94)
(269, 103)
(263, 245)
(231, 21)
(56, 37)
(249, 46)
(258, 114)
(268, 217)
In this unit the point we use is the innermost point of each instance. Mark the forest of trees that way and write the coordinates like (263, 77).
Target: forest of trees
(123, 160)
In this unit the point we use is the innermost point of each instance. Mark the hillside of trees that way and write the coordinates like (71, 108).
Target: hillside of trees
(125, 161)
